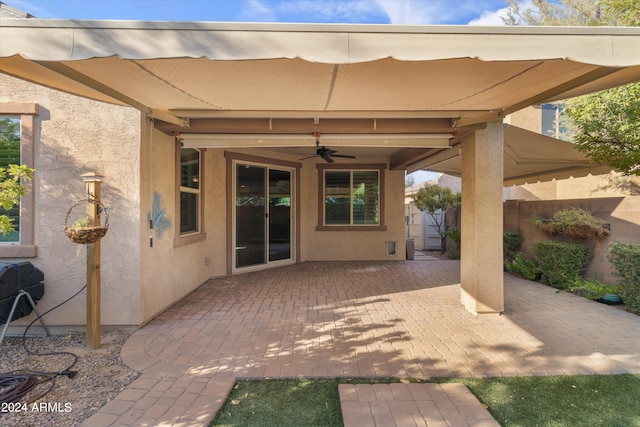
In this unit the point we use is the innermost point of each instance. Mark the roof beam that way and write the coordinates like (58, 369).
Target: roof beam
(421, 141)
(370, 126)
(73, 74)
(337, 114)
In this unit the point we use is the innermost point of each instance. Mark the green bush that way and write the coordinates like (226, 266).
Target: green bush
(455, 238)
(512, 241)
(561, 263)
(626, 260)
(527, 268)
(574, 222)
(593, 289)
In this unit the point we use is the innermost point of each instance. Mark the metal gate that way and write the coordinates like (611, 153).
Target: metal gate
(431, 236)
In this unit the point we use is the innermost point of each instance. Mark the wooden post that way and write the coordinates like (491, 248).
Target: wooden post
(92, 183)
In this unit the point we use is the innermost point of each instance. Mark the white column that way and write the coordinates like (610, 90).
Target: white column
(481, 270)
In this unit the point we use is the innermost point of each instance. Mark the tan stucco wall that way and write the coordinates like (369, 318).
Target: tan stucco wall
(529, 118)
(76, 136)
(623, 213)
(481, 280)
(613, 184)
(168, 273)
(352, 245)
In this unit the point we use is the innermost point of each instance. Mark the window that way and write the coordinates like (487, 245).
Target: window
(189, 199)
(17, 141)
(552, 121)
(351, 197)
(10, 155)
(189, 191)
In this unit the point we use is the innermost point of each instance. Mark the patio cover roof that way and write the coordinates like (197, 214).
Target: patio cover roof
(528, 157)
(181, 73)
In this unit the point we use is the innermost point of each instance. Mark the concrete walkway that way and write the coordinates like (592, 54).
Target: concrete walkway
(356, 319)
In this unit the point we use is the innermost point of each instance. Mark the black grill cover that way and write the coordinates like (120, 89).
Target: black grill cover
(15, 277)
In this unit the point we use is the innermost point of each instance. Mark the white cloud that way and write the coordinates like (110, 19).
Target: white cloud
(473, 12)
(256, 11)
(490, 17)
(412, 11)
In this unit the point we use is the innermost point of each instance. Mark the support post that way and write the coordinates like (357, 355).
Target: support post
(481, 269)
(92, 183)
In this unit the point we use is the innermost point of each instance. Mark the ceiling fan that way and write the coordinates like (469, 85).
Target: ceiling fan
(326, 153)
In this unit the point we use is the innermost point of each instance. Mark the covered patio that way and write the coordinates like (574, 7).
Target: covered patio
(258, 94)
(358, 319)
(390, 96)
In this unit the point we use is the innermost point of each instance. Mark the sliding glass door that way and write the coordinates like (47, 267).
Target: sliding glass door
(262, 215)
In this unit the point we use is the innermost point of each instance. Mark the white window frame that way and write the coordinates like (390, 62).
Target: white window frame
(182, 239)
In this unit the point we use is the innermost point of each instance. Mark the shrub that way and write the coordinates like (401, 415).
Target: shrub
(561, 263)
(544, 225)
(626, 260)
(527, 268)
(575, 222)
(512, 241)
(453, 250)
(580, 223)
(593, 289)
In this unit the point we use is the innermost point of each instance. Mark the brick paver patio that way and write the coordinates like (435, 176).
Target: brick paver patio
(357, 319)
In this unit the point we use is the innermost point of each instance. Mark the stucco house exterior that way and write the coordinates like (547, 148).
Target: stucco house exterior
(611, 196)
(573, 187)
(216, 132)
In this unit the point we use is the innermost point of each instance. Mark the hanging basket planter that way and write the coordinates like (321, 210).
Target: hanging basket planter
(80, 232)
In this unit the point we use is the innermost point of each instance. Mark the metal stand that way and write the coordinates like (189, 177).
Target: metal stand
(13, 309)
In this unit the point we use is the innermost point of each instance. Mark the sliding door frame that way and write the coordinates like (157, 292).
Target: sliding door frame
(294, 168)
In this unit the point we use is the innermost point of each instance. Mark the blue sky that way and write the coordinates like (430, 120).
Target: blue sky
(474, 12)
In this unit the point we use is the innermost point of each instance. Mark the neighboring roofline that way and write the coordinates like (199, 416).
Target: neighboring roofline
(316, 27)
(19, 14)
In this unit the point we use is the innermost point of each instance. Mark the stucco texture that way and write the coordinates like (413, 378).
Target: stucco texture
(139, 279)
(170, 271)
(76, 136)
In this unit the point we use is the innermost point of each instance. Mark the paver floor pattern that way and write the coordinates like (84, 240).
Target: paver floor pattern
(363, 319)
(412, 405)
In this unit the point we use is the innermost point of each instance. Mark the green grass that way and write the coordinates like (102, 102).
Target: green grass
(590, 401)
(282, 403)
(554, 401)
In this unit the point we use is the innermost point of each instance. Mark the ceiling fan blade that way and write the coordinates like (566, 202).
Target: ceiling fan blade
(310, 157)
(328, 159)
(345, 156)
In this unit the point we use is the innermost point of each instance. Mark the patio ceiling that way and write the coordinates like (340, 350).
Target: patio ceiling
(296, 79)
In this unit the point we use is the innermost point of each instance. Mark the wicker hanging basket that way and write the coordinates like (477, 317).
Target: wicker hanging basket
(84, 235)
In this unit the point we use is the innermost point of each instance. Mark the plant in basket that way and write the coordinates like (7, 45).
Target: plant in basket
(81, 231)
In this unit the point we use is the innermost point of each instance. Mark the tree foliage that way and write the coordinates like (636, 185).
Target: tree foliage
(12, 176)
(434, 199)
(11, 190)
(573, 12)
(605, 125)
(624, 12)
